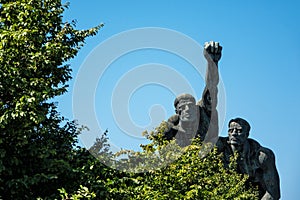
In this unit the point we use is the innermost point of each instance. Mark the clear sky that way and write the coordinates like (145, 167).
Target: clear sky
(259, 68)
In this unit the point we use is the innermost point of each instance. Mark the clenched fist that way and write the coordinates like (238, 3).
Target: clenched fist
(212, 51)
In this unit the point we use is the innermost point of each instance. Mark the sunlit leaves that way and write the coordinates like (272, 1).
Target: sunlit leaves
(189, 175)
(36, 144)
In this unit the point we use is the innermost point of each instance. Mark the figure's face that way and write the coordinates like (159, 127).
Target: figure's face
(237, 135)
(187, 110)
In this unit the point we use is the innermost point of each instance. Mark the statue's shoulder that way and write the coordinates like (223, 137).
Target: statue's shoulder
(173, 120)
(171, 127)
(205, 107)
(202, 104)
(254, 145)
(264, 155)
(222, 143)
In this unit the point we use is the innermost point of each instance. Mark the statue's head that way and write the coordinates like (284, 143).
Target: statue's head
(238, 131)
(186, 108)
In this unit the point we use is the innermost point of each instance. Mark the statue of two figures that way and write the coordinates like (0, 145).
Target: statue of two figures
(200, 119)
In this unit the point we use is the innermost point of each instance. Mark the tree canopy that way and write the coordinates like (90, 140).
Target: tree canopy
(35, 45)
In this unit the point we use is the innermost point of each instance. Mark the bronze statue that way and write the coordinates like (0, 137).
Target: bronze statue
(201, 120)
(198, 119)
(253, 159)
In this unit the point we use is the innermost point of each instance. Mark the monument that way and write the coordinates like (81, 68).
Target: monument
(253, 159)
(201, 120)
(198, 119)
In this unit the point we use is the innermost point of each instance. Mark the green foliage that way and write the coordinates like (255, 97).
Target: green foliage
(82, 193)
(36, 145)
(194, 172)
(191, 177)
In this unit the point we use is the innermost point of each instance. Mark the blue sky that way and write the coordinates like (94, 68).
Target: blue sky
(260, 66)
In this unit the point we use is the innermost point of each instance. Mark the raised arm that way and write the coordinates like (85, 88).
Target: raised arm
(212, 53)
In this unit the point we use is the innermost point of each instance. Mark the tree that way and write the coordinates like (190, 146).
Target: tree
(36, 143)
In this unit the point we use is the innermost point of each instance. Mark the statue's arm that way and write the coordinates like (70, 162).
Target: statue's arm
(270, 175)
(212, 53)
